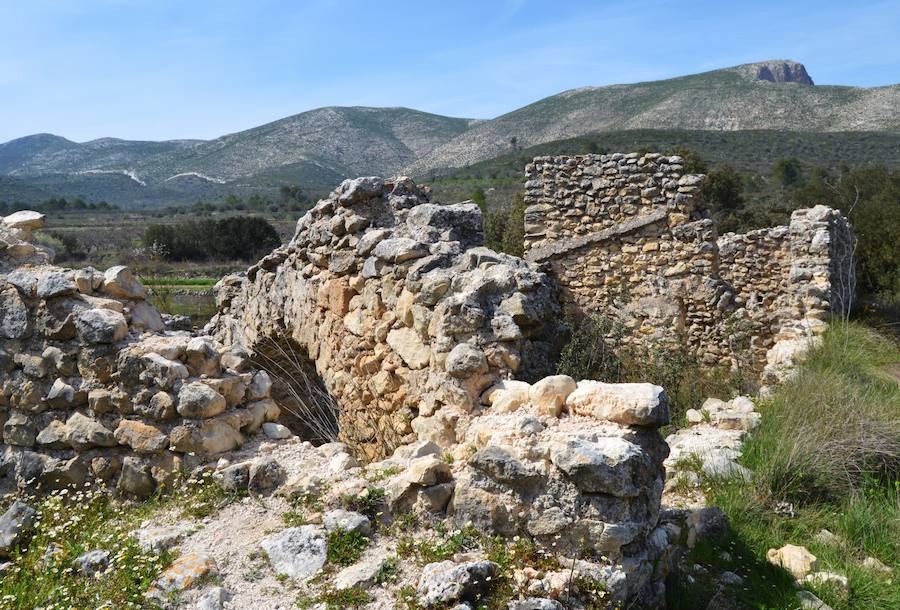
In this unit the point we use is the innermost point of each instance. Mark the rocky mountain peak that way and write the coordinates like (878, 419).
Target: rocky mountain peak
(782, 72)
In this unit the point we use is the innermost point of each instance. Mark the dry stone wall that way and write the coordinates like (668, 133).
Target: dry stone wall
(405, 317)
(625, 237)
(94, 386)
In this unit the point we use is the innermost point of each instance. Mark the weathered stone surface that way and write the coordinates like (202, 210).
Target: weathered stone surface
(16, 525)
(85, 433)
(406, 318)
(446, 582)
(25, 219)
(199, 400)
(638, 404)
(119, 282)
(795, 559)
(298, 552)
(92, 562)
(407, 343)
(14, 322)
(608, 465)
(184, 573)
(141, 437)
(101, 326)
(550, 393)
(348, 521)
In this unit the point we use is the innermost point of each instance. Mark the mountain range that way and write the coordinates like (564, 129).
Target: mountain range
(319, 148)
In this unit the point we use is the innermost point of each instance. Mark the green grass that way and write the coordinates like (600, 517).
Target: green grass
(179, 281)
(826, 456)
(74, 523)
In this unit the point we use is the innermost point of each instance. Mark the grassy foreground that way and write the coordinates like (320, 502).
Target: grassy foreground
(826, 456)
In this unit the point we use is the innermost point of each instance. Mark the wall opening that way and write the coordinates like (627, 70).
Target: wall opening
(308, 409)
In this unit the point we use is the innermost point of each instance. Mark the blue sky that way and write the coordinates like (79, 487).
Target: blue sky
(159, 69)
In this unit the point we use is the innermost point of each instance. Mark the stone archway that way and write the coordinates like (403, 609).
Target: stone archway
(405, 316)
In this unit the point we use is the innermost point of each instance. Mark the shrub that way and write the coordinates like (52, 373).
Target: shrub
(345, 547)
(232, 238)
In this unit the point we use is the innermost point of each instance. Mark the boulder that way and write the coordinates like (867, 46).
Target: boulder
(276, 431)
(85, 433)
(629, 404)
(25, 219)
(16, 525)
(196, 400)
(145, 316)
(445, 582)
(119, 282)
(550, 393)
(298, 552)
(136, 478)
(795, 559)
(101, 326)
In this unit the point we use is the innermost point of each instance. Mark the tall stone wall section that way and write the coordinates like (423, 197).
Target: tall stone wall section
(626, 237)
(405, 317)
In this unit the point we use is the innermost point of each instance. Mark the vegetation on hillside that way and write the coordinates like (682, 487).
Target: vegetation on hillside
(826, 456)
(58, 204)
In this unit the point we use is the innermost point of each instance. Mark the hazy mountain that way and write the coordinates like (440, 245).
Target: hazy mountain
(318, 148)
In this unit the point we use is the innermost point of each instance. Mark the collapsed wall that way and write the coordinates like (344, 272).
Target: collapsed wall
(626, 237)
(93, 386)
(406, 318)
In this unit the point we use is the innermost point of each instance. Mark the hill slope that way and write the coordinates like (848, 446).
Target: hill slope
(739, 98)
(319, 148)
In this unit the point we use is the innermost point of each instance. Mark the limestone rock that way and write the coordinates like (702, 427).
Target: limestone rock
(141, 437)
(446, 582)
(466, 360)
(184, 573)
(197, 400)
(85, 433)
(16, 525)
(119, 282)
(638, 404)
(348, 521)
(101, 326)
(92, 562)
(25, 219)
(14, 322)
(550, 393)
(298, 552)
(608, 465)
(407, 343)
(795, 559)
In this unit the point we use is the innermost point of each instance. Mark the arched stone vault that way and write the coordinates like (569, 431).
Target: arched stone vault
(407, 317)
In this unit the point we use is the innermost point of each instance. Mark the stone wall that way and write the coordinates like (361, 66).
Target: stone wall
(93, 385)
(405, 317)
(626, 237)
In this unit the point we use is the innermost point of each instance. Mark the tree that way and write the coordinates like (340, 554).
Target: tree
(479, 198)
(514, 235)
(723, 189)
(787, 172)
(691, 160)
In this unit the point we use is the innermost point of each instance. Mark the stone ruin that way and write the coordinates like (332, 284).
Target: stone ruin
(428, 344)
(405, 316)
(625, 237)
(94, 386)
